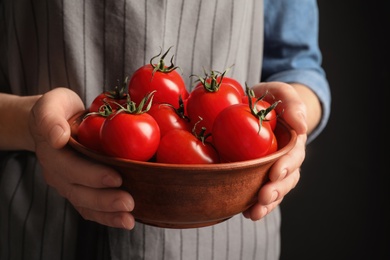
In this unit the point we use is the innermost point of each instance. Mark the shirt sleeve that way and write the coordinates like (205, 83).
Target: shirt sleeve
(291, 50)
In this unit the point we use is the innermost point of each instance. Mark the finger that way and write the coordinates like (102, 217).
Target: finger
(115, 219)
(48, 120)
(273, 191)
(289, 162)
(292, 109)
(89, 173)
(105, 200)
(258, 211)
(80, 171)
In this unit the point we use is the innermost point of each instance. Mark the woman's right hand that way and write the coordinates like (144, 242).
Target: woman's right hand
(90, 187)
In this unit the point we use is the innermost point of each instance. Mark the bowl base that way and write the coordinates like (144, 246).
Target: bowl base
(181, 225)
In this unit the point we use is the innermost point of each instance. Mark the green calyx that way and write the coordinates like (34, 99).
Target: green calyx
(160, 65)
(118, 92)
(212, 80)
(202, 136)
(180, 111)
(104, 111)
(262, 113)
(142, 107)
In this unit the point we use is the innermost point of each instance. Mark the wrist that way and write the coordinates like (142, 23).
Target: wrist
(14, 128)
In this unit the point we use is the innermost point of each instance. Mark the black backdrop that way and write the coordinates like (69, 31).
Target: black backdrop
(337, 210)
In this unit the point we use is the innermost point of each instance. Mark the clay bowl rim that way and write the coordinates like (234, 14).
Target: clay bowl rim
(76, 119)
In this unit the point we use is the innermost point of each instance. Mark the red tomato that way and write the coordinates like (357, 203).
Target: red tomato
(165, 80)
(234, 83)
(274, 145)
(183, 147)
(169, 118)
(131, 133)
(238, 135)
(112, 97)
(130, 136)
(88, 133)
(205, 103)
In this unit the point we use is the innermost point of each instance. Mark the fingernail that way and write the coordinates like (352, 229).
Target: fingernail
(274, 196)
(120, 205)
(302, 116)
(264, 211)
(119, 222)
(283, 174)
(125, 223)
(111, 181)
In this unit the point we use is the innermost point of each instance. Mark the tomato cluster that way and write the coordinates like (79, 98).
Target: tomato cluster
(153, 117)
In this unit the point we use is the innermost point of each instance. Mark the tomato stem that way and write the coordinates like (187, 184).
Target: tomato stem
(262, 113)
(201, 136)
(104, 110)
(160, 65)
(118, 92)
(180, 111)
(132, 108)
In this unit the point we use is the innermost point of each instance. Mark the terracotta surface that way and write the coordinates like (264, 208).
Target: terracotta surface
(188, 196)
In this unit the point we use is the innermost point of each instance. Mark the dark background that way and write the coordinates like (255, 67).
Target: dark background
(337, 210)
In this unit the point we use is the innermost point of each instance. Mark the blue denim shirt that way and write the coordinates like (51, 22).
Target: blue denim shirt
(291, 49)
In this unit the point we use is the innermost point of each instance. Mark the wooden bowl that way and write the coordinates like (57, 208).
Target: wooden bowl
(190, 195)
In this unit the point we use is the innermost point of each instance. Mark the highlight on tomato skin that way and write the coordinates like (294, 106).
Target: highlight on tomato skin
(232, 82)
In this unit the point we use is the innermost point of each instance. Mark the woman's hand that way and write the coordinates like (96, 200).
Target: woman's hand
(285, 173)
(90, 187)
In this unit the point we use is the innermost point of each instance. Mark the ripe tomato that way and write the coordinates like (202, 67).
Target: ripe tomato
(208, 99)
(88, 132)
(274, 145)
(183, 147)
(131, 133)
(130, 136)
(169, 118)
(238, 134)
(234, 83)
(165, 80)
(112, 97)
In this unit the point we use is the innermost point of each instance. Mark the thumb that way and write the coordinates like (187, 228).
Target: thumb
(292, 108)
(48, 119)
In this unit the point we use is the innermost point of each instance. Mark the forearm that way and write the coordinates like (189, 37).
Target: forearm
(14, 130)
(313, 106)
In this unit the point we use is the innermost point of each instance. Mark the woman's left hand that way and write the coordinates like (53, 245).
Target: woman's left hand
(285, 173)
